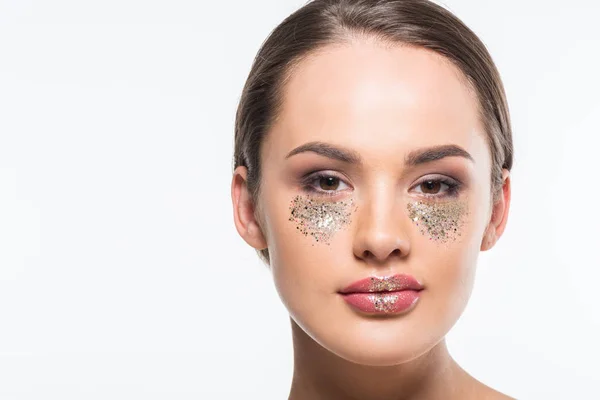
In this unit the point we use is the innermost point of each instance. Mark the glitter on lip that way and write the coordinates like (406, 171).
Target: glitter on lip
(389, 294)
(383, 302)
(320, 218)
(383, 284)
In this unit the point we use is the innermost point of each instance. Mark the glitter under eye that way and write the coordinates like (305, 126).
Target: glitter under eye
(319, 218)
(440, 221)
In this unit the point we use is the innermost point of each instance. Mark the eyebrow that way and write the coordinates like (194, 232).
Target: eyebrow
(412, 159)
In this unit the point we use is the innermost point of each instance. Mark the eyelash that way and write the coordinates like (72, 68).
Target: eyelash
(453, 190)
(311, 178)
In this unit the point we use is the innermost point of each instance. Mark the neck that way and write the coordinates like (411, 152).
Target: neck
(320, 374)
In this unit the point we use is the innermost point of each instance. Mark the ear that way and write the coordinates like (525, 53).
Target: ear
(244, 210)
(499, 215)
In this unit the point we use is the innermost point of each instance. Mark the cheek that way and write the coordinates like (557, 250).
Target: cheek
(450, 278)
(306, 220)
(319, 219)
(440, 222)
(308, 238)
(447, 247)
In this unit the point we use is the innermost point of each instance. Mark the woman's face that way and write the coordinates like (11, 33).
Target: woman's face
(389, 174)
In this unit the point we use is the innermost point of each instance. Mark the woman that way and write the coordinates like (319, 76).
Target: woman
(372, 156)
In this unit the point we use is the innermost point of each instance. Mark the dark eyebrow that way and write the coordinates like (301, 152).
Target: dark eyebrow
(328, 150)
(414, 158)
(428, 154)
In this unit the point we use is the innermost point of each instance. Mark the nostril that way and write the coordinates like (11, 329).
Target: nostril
(368, 254)
(380, 246)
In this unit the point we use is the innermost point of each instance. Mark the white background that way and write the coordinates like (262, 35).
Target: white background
(121, 273)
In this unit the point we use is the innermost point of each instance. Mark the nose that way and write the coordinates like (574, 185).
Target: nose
(379, 235)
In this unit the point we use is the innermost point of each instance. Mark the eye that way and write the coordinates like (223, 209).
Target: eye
(431, 186)
(438, 187)
(324, 183)
(329, 183)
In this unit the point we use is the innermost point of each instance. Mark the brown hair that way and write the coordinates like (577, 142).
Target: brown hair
(419, 23)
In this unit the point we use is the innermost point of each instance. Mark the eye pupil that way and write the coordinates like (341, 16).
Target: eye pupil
(432, 186)
(329, 183)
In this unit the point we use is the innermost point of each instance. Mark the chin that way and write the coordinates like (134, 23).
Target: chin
(380, 357)
(375, 353)
(375, 342)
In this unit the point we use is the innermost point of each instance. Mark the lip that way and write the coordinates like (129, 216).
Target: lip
(392, 283)
(383, 295)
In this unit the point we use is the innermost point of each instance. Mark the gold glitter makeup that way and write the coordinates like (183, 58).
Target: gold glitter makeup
(320, 218)
(387, 284)
(384, 302)
(440, 221)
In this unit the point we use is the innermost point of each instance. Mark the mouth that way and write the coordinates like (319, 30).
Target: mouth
(376, 284)
(383, 295)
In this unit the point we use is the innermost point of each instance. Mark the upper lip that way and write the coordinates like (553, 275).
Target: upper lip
(391, 283)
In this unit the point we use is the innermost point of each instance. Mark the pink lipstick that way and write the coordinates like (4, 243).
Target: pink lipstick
(383, 295)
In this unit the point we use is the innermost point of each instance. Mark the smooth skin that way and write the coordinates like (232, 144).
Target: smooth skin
(380, 102)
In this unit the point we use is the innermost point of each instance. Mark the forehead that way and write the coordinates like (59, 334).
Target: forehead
(377, 99)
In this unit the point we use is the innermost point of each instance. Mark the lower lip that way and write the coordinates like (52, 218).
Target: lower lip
(383, 302)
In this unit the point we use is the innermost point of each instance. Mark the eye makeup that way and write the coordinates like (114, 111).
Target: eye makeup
(439, 215)
(453, 191)
(319, 218)
(333, 184)
(440, 221)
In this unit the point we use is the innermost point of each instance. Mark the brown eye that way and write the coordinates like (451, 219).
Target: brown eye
(441, 187)
(431, 187)
(329, 183)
